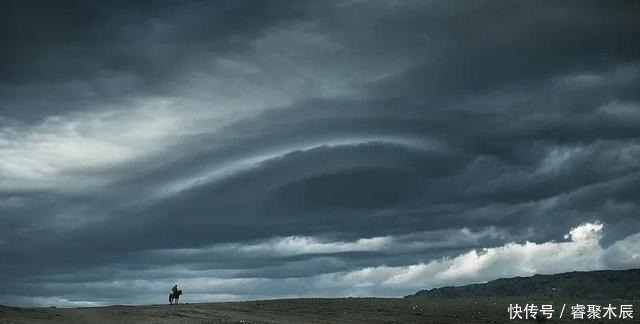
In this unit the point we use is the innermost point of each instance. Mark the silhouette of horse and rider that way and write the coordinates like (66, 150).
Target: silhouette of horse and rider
(174, 295)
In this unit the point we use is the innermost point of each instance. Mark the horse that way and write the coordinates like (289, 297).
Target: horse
(174, 296)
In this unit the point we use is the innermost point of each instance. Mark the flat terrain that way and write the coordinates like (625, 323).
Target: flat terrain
(299, 311)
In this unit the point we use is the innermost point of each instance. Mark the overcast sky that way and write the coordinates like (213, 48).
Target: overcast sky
(266, 149)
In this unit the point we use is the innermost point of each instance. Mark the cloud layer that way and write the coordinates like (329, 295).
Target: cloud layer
(261, 150)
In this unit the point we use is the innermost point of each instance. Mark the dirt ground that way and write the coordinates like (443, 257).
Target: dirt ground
(299, 311)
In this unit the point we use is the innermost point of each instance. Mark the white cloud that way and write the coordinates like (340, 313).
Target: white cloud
(295, 245)
(301, 245)
(582, 252)
(60, 150)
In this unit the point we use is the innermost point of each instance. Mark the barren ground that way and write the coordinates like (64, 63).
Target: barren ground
(299, 311)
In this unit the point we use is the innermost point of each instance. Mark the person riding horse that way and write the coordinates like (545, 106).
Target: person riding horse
(175, 294)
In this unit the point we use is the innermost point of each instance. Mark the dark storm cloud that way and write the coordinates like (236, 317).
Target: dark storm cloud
(373, 137)
(78, 54)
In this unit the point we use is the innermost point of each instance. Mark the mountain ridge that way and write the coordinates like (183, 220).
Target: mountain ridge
(599, 284)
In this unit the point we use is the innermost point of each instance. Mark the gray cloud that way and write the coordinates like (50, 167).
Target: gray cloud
(260, 150)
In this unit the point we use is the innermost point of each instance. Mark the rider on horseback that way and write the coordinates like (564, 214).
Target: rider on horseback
(175, 294)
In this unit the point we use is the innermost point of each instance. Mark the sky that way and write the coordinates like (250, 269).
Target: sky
(270, 149)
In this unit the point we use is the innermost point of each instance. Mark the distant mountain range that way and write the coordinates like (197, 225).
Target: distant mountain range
(622, 284)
